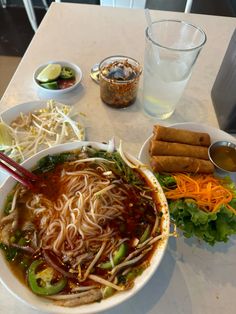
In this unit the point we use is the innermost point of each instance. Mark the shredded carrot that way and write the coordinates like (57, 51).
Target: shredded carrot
(206, 190)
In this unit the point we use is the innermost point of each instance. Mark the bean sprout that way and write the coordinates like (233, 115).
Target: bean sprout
(34, 131)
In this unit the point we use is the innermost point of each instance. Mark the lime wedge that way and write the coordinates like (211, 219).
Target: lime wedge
(50, 73)
(5, 136)
(50, 85)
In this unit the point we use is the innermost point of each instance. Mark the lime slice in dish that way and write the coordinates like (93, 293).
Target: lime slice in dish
(5, 136)
(50, 85)
(49, 73)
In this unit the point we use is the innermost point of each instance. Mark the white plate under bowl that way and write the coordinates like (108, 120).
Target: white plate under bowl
(56, 92)
(12, 113)
(215, 135)
(21, 292)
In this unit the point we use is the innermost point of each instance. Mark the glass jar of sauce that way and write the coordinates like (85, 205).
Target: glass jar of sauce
(119, 79)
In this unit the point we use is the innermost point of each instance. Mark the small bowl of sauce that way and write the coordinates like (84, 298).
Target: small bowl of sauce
(223, 155)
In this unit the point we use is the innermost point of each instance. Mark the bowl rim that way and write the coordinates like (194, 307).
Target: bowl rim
(22, 293)
(75, 67)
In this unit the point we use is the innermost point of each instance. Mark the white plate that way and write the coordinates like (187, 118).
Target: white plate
(52, 92)
(215, 134)
(12, 113)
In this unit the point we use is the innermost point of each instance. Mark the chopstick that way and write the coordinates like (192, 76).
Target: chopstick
(21, 174)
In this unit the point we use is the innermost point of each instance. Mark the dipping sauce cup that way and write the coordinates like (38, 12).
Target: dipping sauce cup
(223, 155)
(119, 79)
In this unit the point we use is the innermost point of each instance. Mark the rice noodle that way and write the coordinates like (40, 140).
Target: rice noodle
(81, 210)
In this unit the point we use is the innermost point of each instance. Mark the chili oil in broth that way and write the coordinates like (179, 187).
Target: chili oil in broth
(137, 214)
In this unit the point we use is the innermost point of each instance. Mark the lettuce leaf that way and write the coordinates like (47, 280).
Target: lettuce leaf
(210, 227)
(166, 180)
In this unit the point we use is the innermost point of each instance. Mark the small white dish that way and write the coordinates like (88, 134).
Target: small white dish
(21, 291)
(51, 92)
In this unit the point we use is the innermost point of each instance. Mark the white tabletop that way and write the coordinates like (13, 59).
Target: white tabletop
(193, 277)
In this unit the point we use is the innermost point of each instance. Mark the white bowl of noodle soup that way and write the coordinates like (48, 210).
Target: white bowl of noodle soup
(24, 294)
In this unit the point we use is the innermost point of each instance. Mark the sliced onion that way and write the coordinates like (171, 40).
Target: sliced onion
(26, 249)
(56, 266)
(69, 296)
(111, 145)
(125, 159)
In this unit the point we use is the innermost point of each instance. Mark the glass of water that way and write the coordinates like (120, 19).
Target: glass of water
(172, 48)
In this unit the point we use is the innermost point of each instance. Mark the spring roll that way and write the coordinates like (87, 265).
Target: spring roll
(160, 148)
(181, 136)
(180, 164)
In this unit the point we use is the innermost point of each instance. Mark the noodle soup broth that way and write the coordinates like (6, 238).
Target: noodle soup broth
(88, 235)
